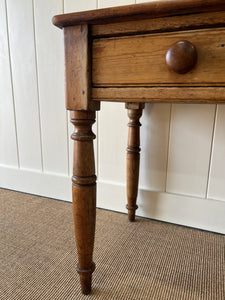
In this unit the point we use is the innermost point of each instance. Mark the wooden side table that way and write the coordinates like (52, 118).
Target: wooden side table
(161, 51)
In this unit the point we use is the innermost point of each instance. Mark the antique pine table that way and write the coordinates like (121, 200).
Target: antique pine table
(161, 51)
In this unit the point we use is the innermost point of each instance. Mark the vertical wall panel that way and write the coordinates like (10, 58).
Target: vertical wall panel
(112, 142)
(50, 66)
(142, 1)
(217, 173)
(21, 38)
(112, 133)
(8, 148)
(189, 149)
(154, 146)
(109, 3)
(72, 6)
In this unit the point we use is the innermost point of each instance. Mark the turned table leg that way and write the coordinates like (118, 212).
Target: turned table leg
(133, 156)
(84, 194)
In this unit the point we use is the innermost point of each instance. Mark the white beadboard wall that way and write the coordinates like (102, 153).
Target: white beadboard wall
(182, 176)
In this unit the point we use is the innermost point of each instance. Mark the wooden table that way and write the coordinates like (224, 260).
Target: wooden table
(161, 51)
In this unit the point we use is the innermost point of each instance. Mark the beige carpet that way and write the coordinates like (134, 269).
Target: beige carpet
(144, 260)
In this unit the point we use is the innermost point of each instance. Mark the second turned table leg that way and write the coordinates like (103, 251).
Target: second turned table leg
(133, 156)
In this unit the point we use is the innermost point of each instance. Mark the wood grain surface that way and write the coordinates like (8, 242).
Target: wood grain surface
(173, 23)
(78, 68)
(84, 194)
(141, 59)
(140, 11)
(161, 94)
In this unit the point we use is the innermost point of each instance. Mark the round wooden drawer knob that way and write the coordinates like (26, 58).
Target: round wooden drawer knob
(181, 57)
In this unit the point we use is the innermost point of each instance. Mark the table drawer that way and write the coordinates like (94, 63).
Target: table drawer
(139, 60)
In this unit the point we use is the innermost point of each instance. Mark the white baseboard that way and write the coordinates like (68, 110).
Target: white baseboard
(207, 214)
(50, 185)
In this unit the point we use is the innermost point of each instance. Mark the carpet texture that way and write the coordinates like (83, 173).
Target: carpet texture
(143, 260)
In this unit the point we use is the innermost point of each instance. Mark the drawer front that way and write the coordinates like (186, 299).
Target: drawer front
(140, 60)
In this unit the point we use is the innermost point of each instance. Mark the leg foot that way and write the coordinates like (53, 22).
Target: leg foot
(131, 212)
(85, 279)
